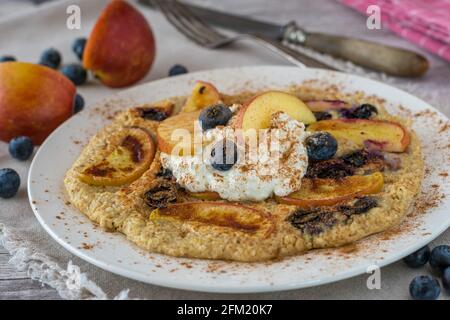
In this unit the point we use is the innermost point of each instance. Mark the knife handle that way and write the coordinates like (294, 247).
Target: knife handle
(289, 54)
(391, 60)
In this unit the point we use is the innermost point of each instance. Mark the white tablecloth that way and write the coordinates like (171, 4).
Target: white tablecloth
(26, 31)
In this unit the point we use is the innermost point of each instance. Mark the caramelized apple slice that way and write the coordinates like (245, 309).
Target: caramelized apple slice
(178, 132)
(228, 215)
(328, 192)
(207, 195)
(384, 135)
(203, 95)
(326, 105)
(128, 156)
(256, 113)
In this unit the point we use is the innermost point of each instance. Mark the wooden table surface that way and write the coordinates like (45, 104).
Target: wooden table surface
(17, 285)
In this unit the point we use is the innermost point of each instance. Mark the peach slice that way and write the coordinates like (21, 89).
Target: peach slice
(34, 100)
(121, 48)
(328, 192)
(178, 132)
(384, 135)
(256, 113)
(128, 155)
(206, 195)
(203, 95)
(326, 105)
(227, 215)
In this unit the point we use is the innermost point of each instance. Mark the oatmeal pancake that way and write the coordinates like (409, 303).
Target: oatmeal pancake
(346, 169)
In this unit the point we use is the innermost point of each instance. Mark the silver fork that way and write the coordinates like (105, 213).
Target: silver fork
(203, 34)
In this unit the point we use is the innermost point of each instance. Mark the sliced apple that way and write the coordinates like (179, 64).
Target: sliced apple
(128, 155)
(178, 132)
(207, 195)
(203, 95)
(227, 215)
(384, 135)
(328, 192)
(256, 114)
(326, 105)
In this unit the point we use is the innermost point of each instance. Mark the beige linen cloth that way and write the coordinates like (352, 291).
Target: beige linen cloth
(26, 34)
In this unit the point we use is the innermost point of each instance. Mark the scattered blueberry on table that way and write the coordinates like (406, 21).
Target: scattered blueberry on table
(177, 69)
(224, 155)
(51, 58)
(440, 258)
(427, 287)
(78, 104)
(321, 146)
(78, 47)
(419, 258)
(446, 279)
(9, 183)
(7, 59)
(75, 72)
(213, 116)
(424, 288)
(21, 148)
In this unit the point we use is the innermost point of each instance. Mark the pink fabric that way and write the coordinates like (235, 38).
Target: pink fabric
(423, 22)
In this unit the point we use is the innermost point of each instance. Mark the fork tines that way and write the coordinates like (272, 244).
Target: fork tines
(187, 23)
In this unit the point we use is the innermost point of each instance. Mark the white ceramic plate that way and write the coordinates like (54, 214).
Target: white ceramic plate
(114, 253)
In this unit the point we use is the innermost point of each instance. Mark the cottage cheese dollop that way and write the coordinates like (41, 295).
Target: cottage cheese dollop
(275, 166)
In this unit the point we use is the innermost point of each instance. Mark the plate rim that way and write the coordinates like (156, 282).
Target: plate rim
(121, 271)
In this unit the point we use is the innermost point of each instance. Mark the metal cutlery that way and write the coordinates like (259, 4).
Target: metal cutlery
(201, 33)
(379, 57)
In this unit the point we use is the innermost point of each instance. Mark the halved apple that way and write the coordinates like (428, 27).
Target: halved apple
(178, 132)
(203, 95)
(326, 105)
(228, 215)
(256, 113)
(128, 155)
(328, 192)
(384, 135)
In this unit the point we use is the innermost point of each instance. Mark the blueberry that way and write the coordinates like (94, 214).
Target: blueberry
(224, 155)
(177, 69)
(446, 279)
(440, 258)
(75, 72)
(424, 288)
(7, 59)
(9, 183)
(356, 158)
(216, 115)
(51, 58)
(418, 258)
(78, 47)
(322, 115)
(364, 111)
(155, 114)
(21, 148)
(321, 146)
(78, 104)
